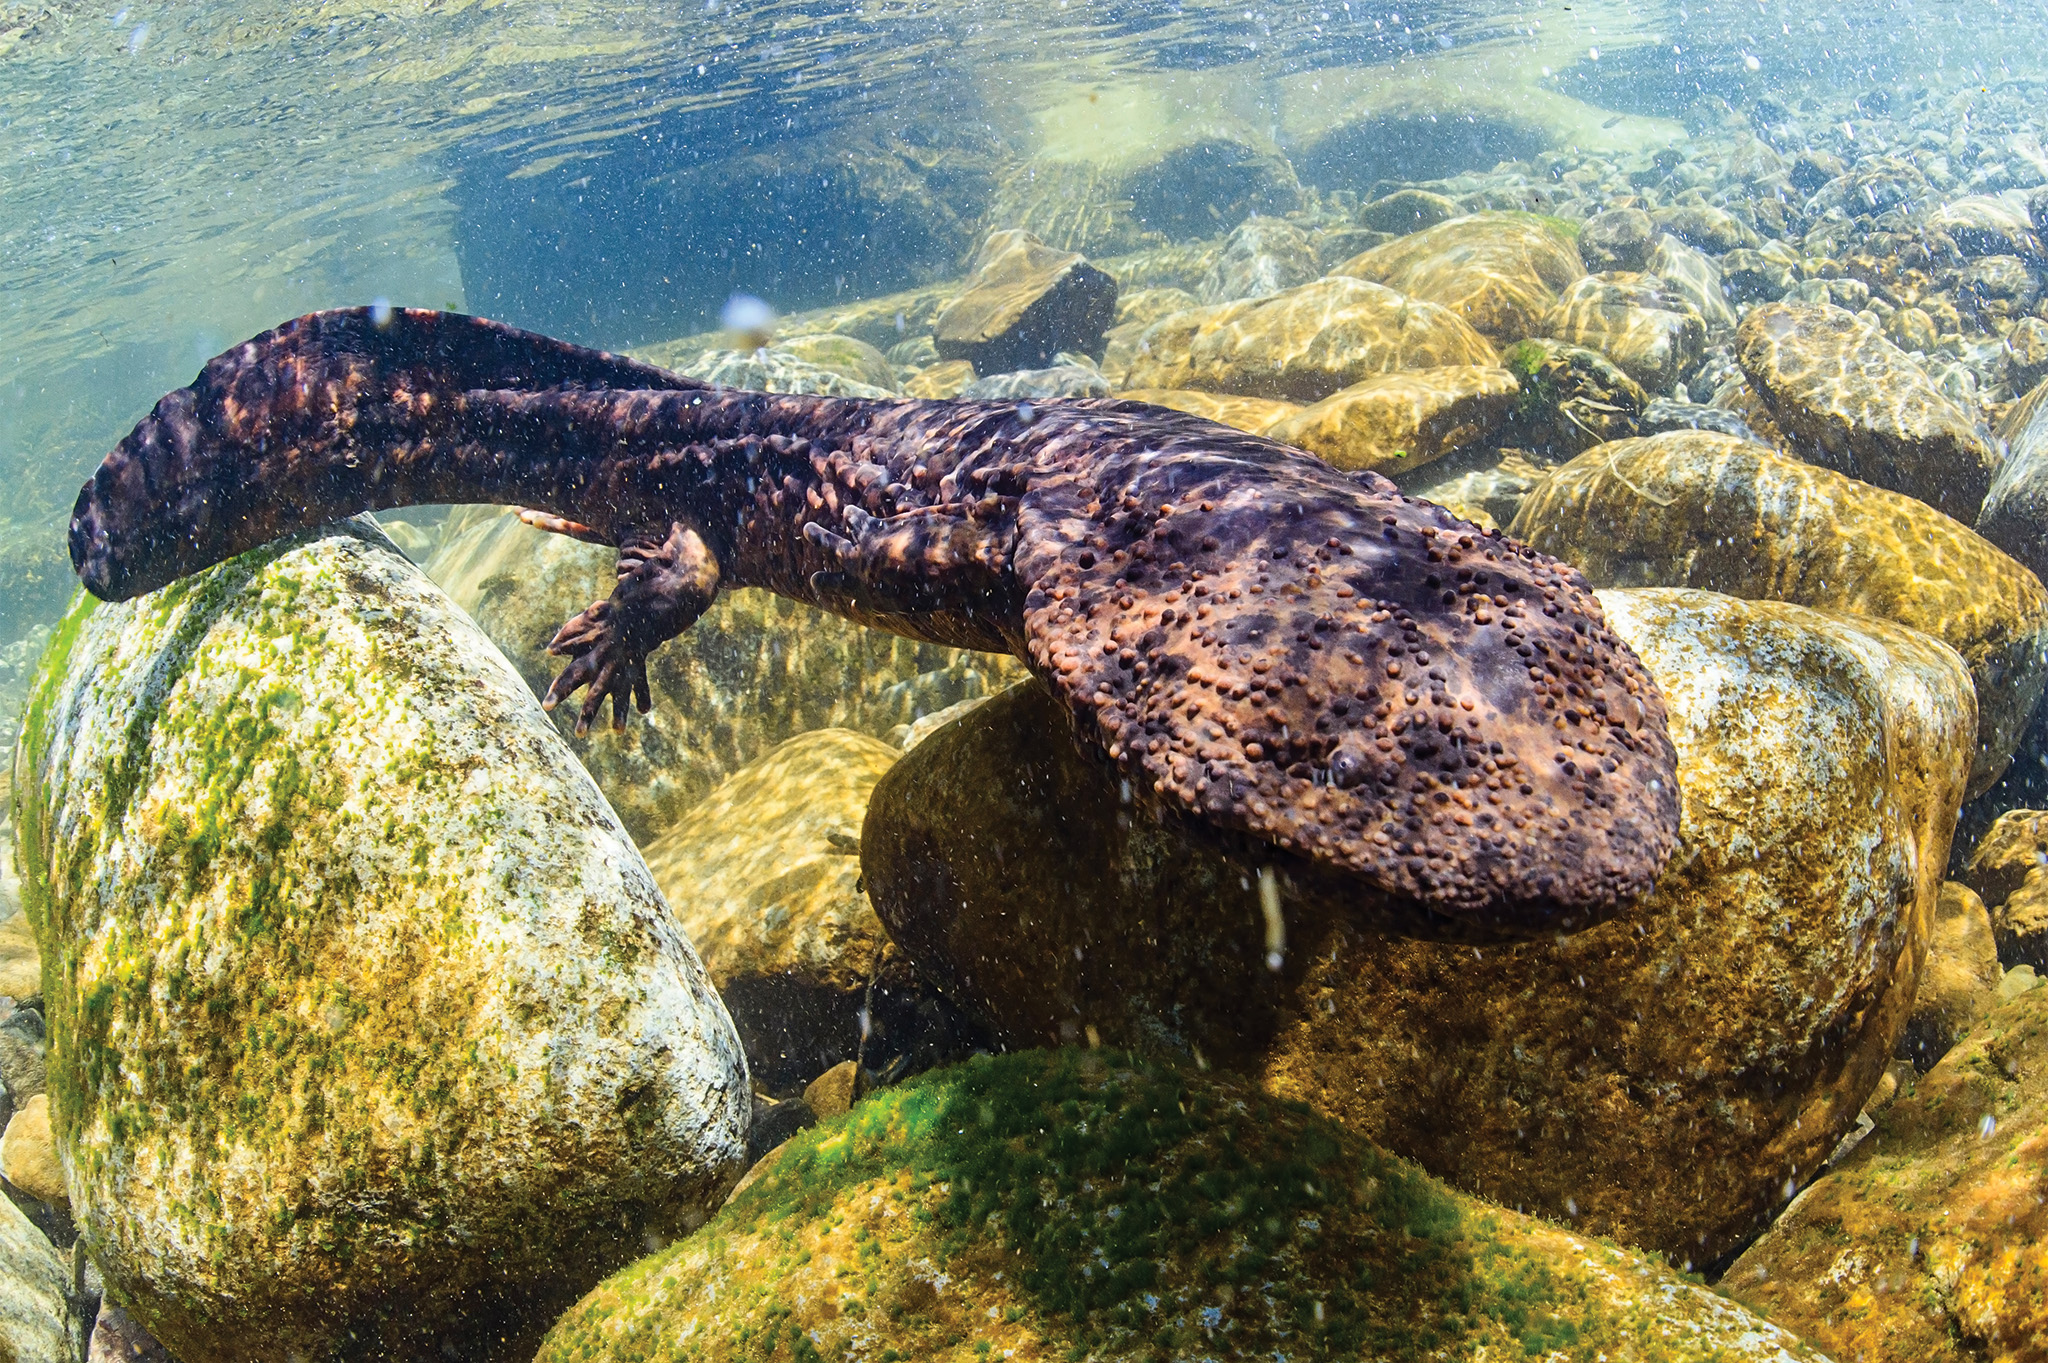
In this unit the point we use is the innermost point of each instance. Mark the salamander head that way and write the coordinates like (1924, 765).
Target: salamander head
(1373, 686)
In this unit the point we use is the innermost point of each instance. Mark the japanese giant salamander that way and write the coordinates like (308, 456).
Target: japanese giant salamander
(1264, 645)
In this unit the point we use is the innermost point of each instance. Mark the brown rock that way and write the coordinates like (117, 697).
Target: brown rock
(1303, 344)
(1572, 398)
(118, 1337)
(764, 876)
(1147, 306)
(836, 1090)
(28, 1155)
(1855, 402)
(1499, 271)
(2026, 354)
(1660, 1077)
(1024, 303)
(1246, 414)
(2015, 514)
(2009, 868)
(756, 670)
(1618, 239)
(1396, 423)
(1261, 256)
(1961, 978)
(1930, 1241)
(1637, 320)
(1407, 210)
(1629, 514)
(1706, 227)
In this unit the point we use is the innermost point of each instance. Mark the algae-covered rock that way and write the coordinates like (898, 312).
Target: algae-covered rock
(37, 1323)
(21, 968)
(1066, 1205)
(1660, 1077)
(1572, 397)
(1855, 402)
(1055, 381)
(776, 371)
(369, 1030)
(942, 380)
(1395, 423)
(1631, 514)
(2015, 512)
(1640, 322)
(2009, 868)
(1260, 256)
(764, 876)
(1930, 1240)
(1302, 344)
(755, 670)
(1618, 239)
(1022, 304)
(1406, 210)
(1499, 271)
(1246, 414)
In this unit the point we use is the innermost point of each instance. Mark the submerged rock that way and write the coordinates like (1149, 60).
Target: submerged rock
(1499, 271)
(1070, 1204)
(1303, 344)
(37, 1323)
(847, 356)
(1930, 1240)
(28, 1154)
(1407, 210)
(118, 1337)
(1960, 981)
(2015, 513)
(1661, 1077)
(1857, 403)
(1261, 256)
(1637, 320)
(777, 371)
(1699, 509)
(21, 969)
(1572, 397)
(1708, 228)
(1024, 303)
(943, 380)
(1058, 381)
(1246, 414)
(1618, 239)
(1396, 423)
(1987, 225)
(2009, 868)
(755, 670)
(1694, 278)
(764, 876)
(373, 1032)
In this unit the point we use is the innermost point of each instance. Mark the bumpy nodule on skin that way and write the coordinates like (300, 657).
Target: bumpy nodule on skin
(1268, 648)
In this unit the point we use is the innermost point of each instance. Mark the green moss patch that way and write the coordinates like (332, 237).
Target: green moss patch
(1087, 1204)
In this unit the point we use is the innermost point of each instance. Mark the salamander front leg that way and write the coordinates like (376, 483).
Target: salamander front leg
(666, 580)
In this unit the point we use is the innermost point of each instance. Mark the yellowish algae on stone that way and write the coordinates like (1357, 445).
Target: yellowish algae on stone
(367, 1022)
(1066, 1205)
(1499, 271)
(1395, 423)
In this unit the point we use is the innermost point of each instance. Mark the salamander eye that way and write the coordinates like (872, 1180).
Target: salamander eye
(1347, 765)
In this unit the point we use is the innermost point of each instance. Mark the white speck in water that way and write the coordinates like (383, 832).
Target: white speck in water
(1026, 413)
(1594, 53)
(744, 312)
(1791, 1187)
(1571, 1206)
(380, 311)
(1276, 926)
(1986, 1127)
(1749, 60)
(137, 38)
(1212, 1316)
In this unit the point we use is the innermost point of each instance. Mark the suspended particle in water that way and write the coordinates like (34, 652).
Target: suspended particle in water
(1750, 62)
(1986, 1127)
(1276, 926)
(137, 38)
(380, 311)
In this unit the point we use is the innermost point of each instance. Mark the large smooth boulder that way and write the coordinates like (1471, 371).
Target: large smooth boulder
(764, 876)
(1929, 1241)
(755, 670)
(1396, 423)
(369, 1029)
(1664, 1077)
(1850, 399)
(1302, 344)
(1075, 1204)
(1022, 304)
(1700, 509)
(37, 1323)
(1499, 271)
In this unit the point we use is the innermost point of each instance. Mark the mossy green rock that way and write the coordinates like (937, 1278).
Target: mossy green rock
(1080, 1204)
(369, 1029)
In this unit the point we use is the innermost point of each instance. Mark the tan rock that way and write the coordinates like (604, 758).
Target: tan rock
(1302, 344)
(1396, 423)
(1407, 210)
(1693, 277)
(38, 1323)
(21, 970)
(1146, 306)
(1961, 979)
(1660, 1077)
(1637, 320)
(2015, 512)
(1246, 414)
(1855, 402)
(28, 1155)
(1072, 1204)
(764, 877)
(755, 670)
(942, 380)
(846, 355)
(1260, 256)
(836, 1090)
(1022, 304)
(1630, 514)
(1499, 271)
(2012, 849)
(1930, 1241)
(1572, 398)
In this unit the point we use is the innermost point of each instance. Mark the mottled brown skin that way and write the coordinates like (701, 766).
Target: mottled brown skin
(1269, 647)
